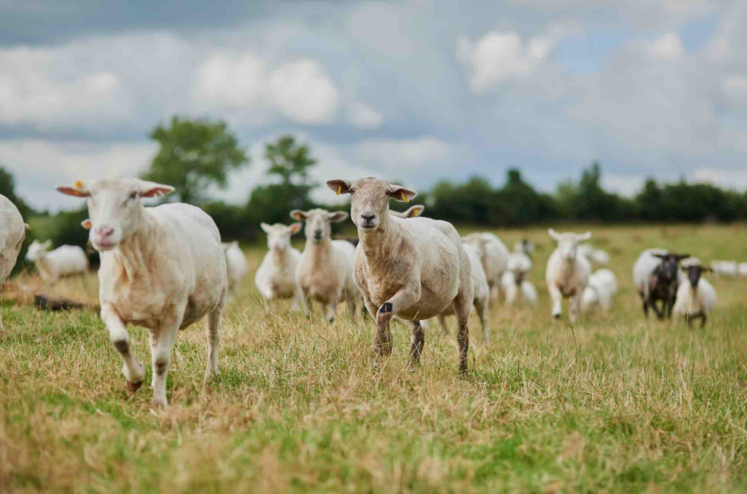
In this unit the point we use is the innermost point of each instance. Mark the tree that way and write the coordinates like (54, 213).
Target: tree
(193, 155)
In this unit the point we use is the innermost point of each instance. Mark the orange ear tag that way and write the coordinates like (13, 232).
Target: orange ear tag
(78, 184)
(298, 216)
(339, 189)
(404, 197)
(87, 225)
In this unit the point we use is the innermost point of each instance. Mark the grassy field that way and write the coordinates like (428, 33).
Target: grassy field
(615, 404)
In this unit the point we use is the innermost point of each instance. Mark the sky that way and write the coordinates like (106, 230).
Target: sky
(417, 90)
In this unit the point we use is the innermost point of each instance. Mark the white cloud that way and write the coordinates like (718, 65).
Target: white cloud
(668, 47)
(303, 93)
(364, 116)
(404, 157)
(232, 81)
(722, 177)
(41, 165)
(735, 89)
(38, 87)
(503, 56)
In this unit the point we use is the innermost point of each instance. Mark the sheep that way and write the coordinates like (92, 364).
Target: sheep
(656, 277)
(414, 269)
(493, 255)
(742, 269)
(235, 266)
(567, 272)
(696, 297)
(411, 212)
(515, 278)
(481, 298)
(276, 276)
(64, 260)
(725, 268)
(595, 256)
(162, 268)
(325, 271)
(600, 291)
(12, 235)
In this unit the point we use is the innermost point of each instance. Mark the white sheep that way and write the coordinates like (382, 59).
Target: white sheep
(325, 271)
(414, 269)
(728, 269)
(567, 273)
(276, 276)
(493, 255)
(596, 257)
(63, 261)
(12, 235)
(481, 292)
(600, 291)
(696, 297)
(516, 278)
(235, 266)
(162, 268)
(742, 269)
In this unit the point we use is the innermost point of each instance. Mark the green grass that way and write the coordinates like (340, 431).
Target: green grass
(615, 404)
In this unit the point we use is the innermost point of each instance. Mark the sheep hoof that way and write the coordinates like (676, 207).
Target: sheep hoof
(133, 387)
(556, 316)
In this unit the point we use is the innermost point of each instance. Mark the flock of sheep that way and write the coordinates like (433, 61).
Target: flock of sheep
(164, 268)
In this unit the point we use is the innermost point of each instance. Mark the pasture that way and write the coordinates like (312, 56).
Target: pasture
(615, 403)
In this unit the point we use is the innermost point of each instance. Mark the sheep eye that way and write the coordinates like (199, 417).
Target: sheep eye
(133, 196)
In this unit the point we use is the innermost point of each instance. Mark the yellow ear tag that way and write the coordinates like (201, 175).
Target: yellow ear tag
(298, 216)
(404, 198)
(416, 213)
(339, 189)
(78, 184)
(87, 225)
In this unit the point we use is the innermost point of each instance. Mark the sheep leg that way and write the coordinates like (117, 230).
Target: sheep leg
(133, 369)
(401, 300)
(161, 343)
(213, 337)
(703, 319)
(462, 309)
(573, 306)
(417, 341)
(482, 313)
(352, 307)
(298, 304)
(659, 314)
(510, 294)
(331, 309)
(557, 300)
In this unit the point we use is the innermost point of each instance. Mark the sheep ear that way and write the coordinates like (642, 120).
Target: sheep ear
(86, 224)
(660, 256)
(152, 189)
(339, 186)
(265, 227)
(298, 215)
(47, 244)
(553, 234)
(74, 191)
(583, 238)
(401, 194)
(415, 211)
(337, 216)
(681, 257)
(295, 228)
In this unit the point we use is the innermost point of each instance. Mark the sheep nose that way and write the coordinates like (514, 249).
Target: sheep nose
(104, 231)
(368, 216)
(318, 234)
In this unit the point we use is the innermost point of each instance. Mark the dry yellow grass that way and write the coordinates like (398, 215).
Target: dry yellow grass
(614, 404)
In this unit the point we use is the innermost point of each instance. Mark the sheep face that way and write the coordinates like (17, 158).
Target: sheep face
(670, 265)
(115, 208)
(37, 250)
(568, 243)
(694, 273)
(370, 200)
(279, 236)
(318, 223)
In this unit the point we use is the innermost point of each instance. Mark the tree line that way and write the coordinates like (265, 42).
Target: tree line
(196, 156)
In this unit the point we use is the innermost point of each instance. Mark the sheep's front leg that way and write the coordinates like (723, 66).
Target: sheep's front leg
(573, 305)
(133, 369)
(557, 300)
(161, 344)
(298, 304)
(462, 309)
(482, 313)
(331, 309)
(213, 338)
(703, 319)
(401, 300)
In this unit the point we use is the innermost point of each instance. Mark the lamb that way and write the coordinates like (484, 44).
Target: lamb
(567, 272)
(235, 265)
(656, 277)
(162, 268)
(12, 235)
(325, 271)
(600, 291)
(595, 256)
(276, 276)
(515, 279)
(493, 255)
(414, 269)
(696, 297)
(64, 260)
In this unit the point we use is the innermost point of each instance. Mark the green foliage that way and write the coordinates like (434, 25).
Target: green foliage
(8, 189)
(193, 155)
